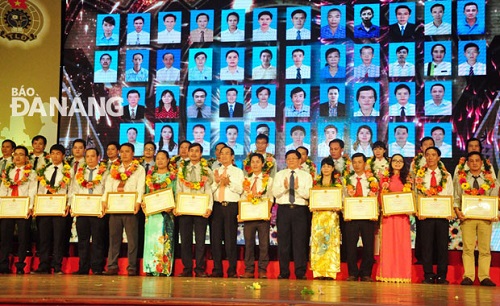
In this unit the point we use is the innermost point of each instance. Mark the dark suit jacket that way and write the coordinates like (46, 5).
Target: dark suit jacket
(395, 32)
(139, 115)
(224, 110)
(323, 109)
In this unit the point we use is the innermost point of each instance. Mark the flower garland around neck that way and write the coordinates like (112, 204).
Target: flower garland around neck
(96, 180)
(371, 164)
(45, 155)
(489, 181)
(486, 164)
(385, 181)
(247, 187)
(64, 183)
(266, 168)
(155, 182)
(335, 183)
(420, 182)
(181, 175)
(311, 167)
(347, 165)
(123, 176)
(7, 182)
(173, 161)
(417, 160)
(373, 185)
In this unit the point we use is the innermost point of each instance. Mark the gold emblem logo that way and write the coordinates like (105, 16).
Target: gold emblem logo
(20, 20)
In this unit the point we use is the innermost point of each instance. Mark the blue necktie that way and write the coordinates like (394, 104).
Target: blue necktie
(231, 111)
(298, 35)
(91, 172)
(299, 76)
(402, 30)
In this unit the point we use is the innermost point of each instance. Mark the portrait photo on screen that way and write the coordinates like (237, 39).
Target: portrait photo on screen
(263, 101)
(265, 24)
(264, 63)
(202, 26)
(402, 99)
(333, 21)
(267, 128)
(328, 131)
(199, 132)
(471, 57)
(200, 64)
(168, 66)
(438, 17)
(134, 105)
(167, 102)
(232, 133)
(401, 138)
(136, 65)
(297, 100)
(138, 29)
(438, 97)
(298, 62)
(332, 100)
(105, 66)
(366, 20)
(133, 133)
(199, 102)
(169, 27)
(366, 100)
(298, 23)
(333, 61)
(402, 22)
(231, 104)
(232, 25)
(297, 134)
(366, 60)
(232, 64)
(437, 58)
(362, 136)
(402, 59)
(442, 134)
(166, 137)
(108, 30)
(470, 17)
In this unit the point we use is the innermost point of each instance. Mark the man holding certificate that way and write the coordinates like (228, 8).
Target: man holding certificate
(475, 182)
(127, 176)
(227, 189)
(291, 190)
(18, 180)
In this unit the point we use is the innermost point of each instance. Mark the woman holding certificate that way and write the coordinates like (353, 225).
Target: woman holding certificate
(158, 256)
(395, 250)
(325, 229)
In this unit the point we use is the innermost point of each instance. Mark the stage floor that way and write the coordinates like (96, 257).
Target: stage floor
(140, 290)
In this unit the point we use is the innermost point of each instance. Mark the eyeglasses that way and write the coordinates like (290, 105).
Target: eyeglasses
(398, 161)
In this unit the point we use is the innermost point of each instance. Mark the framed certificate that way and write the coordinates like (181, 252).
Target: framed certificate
(247, 211)
(192, 204)
(325, 198)
(86, 205)
(360, 208)
(121, 202)
(14, 207)
(50, 205)
(479, 207)
(398, 203)
(159, 201)
(435, 207)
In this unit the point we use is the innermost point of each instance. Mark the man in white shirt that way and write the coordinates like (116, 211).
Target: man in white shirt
(437, 106)
(264, 129)
(366, 96)
(169, 35)
(199, 137)
(138, 37)
(264, 32)
(291, 190)
(132, 139)
(403, 107)
(7, 150)
(438, 67)
(330, 131)
(263, 109)
(471, 66)
(261, 146)
(38, 158)
(200, 72)
(232, 33)
(402, 145)
(367, 69)
(437, 26)
(298, 70)
(105, 74)
(232, 136)
(137, 73)
(298, 32)
(227, 189)
(437, 133)
(265, 71)
(169, 73)
(232, 72)
(112, 152)
(298, 108)
(401, 68)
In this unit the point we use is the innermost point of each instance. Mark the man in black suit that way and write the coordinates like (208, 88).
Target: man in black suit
(231, 108)
(133, 111)
(332, 108)
(402, 30)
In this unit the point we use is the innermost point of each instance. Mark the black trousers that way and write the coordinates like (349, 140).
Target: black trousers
(186, 225)
(7, 236)
(88, 227)
(51, 231)
(224, 227)
(117, 223)
(292, 221)
(249, 229)
(434, 234)
(352, 230)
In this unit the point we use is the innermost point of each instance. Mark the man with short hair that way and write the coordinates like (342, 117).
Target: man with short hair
(263, 108)
(38, 158)
(265, 71)
(168, 73)
(137, 73)
(403, 107)
(132, 134)
(330, 131)
(200, 72)
(437, 106)
(471, 24)
(298, 70)
(366, 96)
(261, 146)
(401, 145)
(298, 108)
(401, 67)
(148, 161)
(298, 31)
(297, 133)
(232, 72)
(366, 29)
(108, 38)
(231, 108)
(199, 109)
(112, 152)
(333, 29)
(202, 33)
(437, 133)
(367, 69)
(332, 107)
(264, 32)
(263, 129)
(199, 137)
(138, 36)
(402, 30)
(105, 74)
(232, 137)
(471, 66)
(7, 151)
(232, 33)
(169, 35)
(133, 111)
(437, 26)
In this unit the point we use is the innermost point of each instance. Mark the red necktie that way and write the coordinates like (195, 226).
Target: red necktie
(76, 166)
(359, 188)
(15, 188)
(254, 186)
(433, 179)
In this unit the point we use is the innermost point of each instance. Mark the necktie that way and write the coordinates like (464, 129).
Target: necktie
(291, 186)
(132, 115)
(475, 185)
(254, 186)
(147, 168)
(433, 179)
(403, 114)
(199, 115)
(192, 174)
(138, 41)
(222, 188)
(4, 164)
(471, 71)
(231, 111)
(298, 36)
(75, 166)
(366, 73)
(36, 163)
(299, 76)
(91, 172)
(52, 181)
(202, 36)
(15, 188)
(402, 30)
(359, 188)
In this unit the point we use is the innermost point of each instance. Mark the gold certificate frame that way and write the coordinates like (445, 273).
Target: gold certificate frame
(360, 208)
(14, 207)
(435, 207)
(159, 201)
(479, 207)
(121, 202)
(398, 203)
(192, 204)
(86, 205)
(247, 211)
(325, 198)
(50, 205)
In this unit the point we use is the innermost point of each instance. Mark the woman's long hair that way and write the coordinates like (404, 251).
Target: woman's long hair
(403, 173)
(174, 102)
(357, 143)
(171, 143)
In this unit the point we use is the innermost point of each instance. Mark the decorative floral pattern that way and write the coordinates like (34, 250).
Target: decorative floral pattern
(193, 185)
(64, 183)
(7, 182)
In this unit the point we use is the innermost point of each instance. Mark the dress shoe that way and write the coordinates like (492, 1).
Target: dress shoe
(282, 277)
(467, 282)
(487, 282)
(366, 279)
(203, 274)
(247, 275)
(132, 273)
(319, 278)
(262, 275)
(186, 274)
(328, 278)
(58, 272)
(352, 279)
(217, 275)
(429, 280)
(302, 277)
(111, 272)
(442, 281)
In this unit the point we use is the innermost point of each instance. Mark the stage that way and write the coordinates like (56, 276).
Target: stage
(140, 290)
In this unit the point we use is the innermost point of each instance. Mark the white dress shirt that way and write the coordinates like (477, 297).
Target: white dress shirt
(301, 194)
(166, 37)
(233, 191)
(143, 38)
(291, 34)
(259, 35)
(27, 189)
(206, 189)
(305, 72)
(407, 150)
(135, 183)
(258, 186)
(354, 181)
(59, 176)
(238, 35)
(171, 74)
(447, 189)
(96, 189)
(432, 109)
